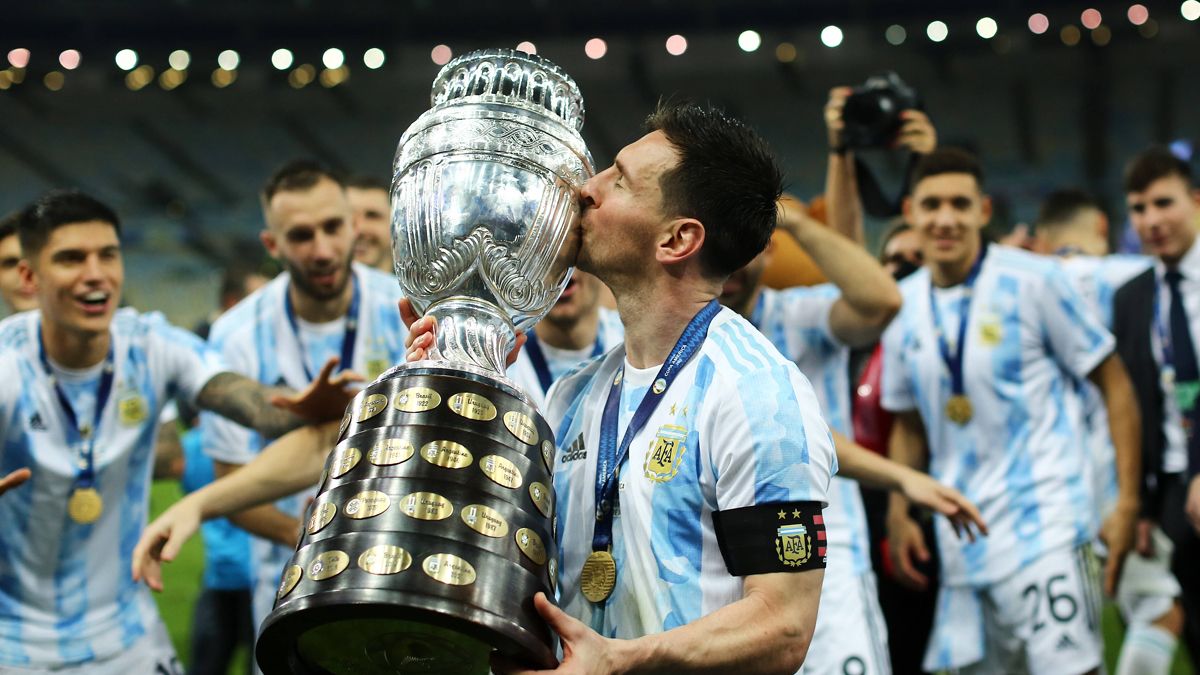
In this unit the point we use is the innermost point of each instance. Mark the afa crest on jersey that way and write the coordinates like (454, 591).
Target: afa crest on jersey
(662, 461)
(132, 409)
(793, 545)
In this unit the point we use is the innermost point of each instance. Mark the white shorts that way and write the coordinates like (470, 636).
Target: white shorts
(851, 636)
(1042, 620)
(153, 654)
(1147, 588)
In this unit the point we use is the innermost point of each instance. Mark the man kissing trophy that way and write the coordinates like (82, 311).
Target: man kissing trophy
(434, 524)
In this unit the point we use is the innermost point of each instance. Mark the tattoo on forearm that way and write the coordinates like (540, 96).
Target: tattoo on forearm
(248, 403)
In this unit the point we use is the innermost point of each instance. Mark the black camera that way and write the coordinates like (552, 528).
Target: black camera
(872, 111)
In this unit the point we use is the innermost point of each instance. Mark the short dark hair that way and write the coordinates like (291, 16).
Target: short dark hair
(727, 178)
(364, 181)
(8, 225)
(1153, 164)
(297, 175)
(55, 209)
(896, 229)
(946, 160)
(1060, 207)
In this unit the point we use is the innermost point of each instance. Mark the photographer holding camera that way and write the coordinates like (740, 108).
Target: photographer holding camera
(882, 113)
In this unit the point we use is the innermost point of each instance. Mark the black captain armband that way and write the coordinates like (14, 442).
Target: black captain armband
(781, 537)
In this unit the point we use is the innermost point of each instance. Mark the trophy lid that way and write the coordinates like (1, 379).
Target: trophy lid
(510, 76)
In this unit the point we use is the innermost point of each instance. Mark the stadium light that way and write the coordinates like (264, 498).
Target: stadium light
(937, 31)
(676, 45)
(595, 48)
(373, 58)
(282, 59)
(441, 55)
(831, 36)
(333, 58)
(749, 40)
(69, 59)
(1190, 9)
(227, 60)
(179, 59)
(895, 34)
(986, 27)
(126, 59)
(1038, 23)
(18, 58)
(527, 47)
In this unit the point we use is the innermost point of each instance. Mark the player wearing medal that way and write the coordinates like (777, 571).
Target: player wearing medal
(815, 327)
(323, 305)
(575, 330)
(87, 383)
(693, 463)
(978, 367)
(1071, 225)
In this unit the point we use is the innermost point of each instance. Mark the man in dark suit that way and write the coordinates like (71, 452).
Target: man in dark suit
(1156, 316)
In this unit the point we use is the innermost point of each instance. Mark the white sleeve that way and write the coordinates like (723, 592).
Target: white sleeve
(896, 393)
(182, 359)
(1076, 337)
(807, 312)
(767, 442)
(224, 440)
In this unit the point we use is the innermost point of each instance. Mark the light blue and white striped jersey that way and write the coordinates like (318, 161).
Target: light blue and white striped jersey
(610, 333)
(796, 321)
(1097, 280)
(66, 592)
(256, 339)
(1022, 458)
(753, 434)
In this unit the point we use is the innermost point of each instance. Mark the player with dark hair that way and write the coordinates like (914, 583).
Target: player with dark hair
(978, 370)
(79, 428)
(1156, 316)
(16, 296)
(323, 305)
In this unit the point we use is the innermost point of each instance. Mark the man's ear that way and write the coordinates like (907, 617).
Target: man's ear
(25, 272)
(986, 207)
(906, 209)
(269, 242)
(681, 241)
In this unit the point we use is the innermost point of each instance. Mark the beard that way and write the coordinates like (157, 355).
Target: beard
(300, 277)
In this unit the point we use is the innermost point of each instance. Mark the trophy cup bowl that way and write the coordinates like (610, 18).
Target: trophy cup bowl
(434, 524)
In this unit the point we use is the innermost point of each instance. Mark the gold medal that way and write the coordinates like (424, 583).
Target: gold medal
(598, 576)
(85, 505)
(959, 409)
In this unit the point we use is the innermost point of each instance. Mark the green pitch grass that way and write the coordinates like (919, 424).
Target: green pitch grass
(181, 580)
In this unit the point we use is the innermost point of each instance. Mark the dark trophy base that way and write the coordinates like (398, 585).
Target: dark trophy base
(431, 533)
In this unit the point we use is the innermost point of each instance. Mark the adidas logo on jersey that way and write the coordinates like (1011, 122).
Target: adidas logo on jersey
(36, 423)
(1064, 643)
(575, 450)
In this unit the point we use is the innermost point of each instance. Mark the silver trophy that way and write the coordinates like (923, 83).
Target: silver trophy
(485, 211)
(434, 524)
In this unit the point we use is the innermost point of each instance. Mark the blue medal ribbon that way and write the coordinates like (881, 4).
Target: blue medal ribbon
(610, 455)
(954, 360)
(541, 366)
(348, 339)
(83, 438)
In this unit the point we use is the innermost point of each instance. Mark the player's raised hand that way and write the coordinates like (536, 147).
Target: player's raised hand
(922, 489)
(422, 335)
(325, 398)
(907, 543)
(14, 479)
(162, 539)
